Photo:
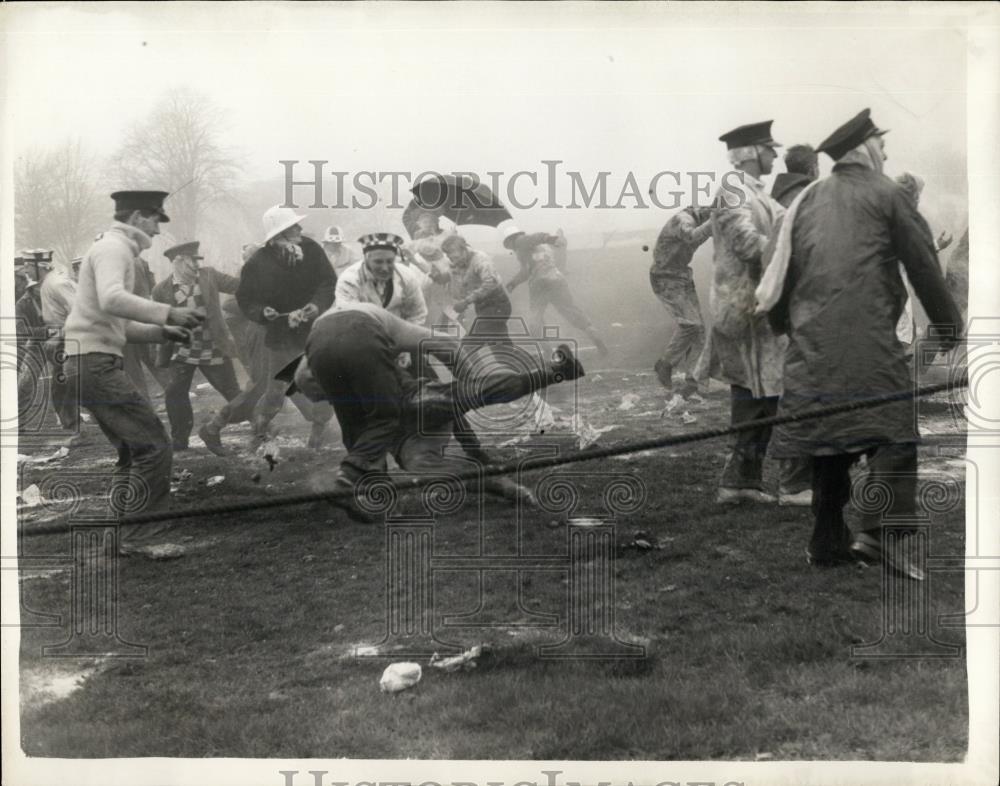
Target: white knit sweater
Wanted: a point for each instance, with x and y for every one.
(105, 313)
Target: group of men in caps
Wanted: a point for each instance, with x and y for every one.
(806, 296)
(347, 356)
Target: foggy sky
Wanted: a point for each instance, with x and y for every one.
(639, 88)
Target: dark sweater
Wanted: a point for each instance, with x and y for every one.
(266, 281)
(787, 186)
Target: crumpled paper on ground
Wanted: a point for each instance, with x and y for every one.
(400, 676)
(59, 454)
(463, 662)
(31, 497)
(629, 400)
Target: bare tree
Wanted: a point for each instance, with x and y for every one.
(58, 199)
(178, 149)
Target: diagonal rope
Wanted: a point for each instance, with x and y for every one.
(527, 465)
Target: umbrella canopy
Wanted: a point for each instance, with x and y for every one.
(460, 199)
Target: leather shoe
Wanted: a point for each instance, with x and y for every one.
(872, 549)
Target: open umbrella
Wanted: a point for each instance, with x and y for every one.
(461, 199)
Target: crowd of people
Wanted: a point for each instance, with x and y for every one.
(809, 305)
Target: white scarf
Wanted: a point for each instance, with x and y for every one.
(772, 283)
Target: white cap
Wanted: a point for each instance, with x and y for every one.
(508, 229)
(277, 219)
(333, 235)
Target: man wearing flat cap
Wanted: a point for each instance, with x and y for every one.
(836, 289)
(285, 284)
(210, 349)
(105, 315)
(350, 361)
(746, 353)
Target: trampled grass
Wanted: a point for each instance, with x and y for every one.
(748, 650)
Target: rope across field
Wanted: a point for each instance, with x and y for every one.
(530, 464)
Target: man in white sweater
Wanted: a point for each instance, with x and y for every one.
(106, 315)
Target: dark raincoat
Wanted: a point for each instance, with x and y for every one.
(842, 298)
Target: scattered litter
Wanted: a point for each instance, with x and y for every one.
(85, 417)
(514, 441)
(764, 757)
(31, 496)
(596, 378)
(631, 456)
(617, 325)
(366, 652)
(338, 628)
(544, 418)
(270, 451)
(463, 662)
(629, 401)
(400, 676)
(687, 419)
(59, 454)
(165, 551)
(215, 480)
(646, 414)
(643, 541)
(587, 435)
(178, 479)
(695, 398)
(255, 477)
(202, 386)
(675, 401)
(668, 588)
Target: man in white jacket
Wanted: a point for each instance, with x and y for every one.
(106, 315)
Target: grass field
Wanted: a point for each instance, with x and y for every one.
(748, 650)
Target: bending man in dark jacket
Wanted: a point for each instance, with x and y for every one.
(840, 301)
(284, 286)
(351, 362)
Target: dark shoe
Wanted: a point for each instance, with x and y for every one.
(871, 549)
(565, 366)
(664, 373)
(211, 436)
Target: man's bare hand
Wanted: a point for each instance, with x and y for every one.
(185, 317)
(178, 334)
(269, 313)
(944, 240)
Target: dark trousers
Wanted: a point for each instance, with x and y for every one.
(891, 479)
(178, 395)
(140, 356)
(142, 475)
(745, 466)
(379, 406)
(355, 364)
